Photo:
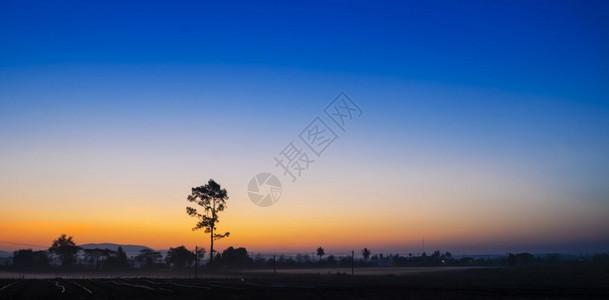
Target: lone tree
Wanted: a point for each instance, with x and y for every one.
(365, 254)
(212, 197)
(65, 248)
(320, 252)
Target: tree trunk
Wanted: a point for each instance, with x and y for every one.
(211, 251)
(213, 223)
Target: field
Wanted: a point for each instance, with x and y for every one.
(508, 283)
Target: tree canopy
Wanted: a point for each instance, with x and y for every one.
(148, 257)
(320, 252)
(180, 257)
(65, 249)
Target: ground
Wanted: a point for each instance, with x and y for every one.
(575, 282)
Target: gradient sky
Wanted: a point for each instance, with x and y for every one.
(485, 125)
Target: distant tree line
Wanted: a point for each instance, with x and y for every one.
(65, 254)
(435, 259)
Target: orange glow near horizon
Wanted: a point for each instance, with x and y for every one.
(268, 231)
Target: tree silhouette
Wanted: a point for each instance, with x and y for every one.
(365, 254)
(65, 248)
(121, 258)
(331, 260)
(180, 257)
(26, 258)
(200, 253)
(148, 257)
(212, 197)
(93, 255)
(236, 257)
(320, 252)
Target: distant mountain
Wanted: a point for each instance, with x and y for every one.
(131, 250)
(5, 254)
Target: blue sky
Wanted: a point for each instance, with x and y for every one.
(117, 92)
(549, 47)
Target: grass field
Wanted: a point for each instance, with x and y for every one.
(578, 282)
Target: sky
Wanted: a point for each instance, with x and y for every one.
(484, 126)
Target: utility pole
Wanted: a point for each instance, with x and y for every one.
(423, 245)
(196, 260)
(352, 262)
(274, 265)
